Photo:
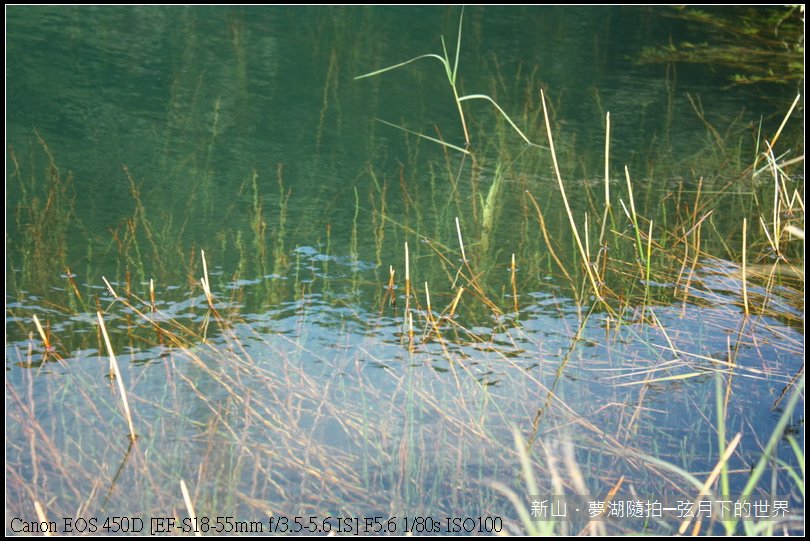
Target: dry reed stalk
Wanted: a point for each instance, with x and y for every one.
(632, 216)
(410, 332)
(434, 324)
(513, 280)
(455, 301)
(408, 316)
(607, 179)
(42, 518)
(648, 267)
(587, 241)
(407, 275)
(460, 241)
(546, 237)
(389, 293)
(781, 127)
(744, 257)
(428, 311)
(110, 288)
(114, 371)
(205, 282)
(72, 283)
(704, 490)
(42, 334)
(588, 268)
(189, 507)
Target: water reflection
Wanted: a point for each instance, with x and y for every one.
(306, 389)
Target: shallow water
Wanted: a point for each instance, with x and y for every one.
(240, 131)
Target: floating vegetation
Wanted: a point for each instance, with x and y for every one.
(761, 44)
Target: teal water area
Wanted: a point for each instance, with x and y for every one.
(139, 136)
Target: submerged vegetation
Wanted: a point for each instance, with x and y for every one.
(761, 44)
(476, 325)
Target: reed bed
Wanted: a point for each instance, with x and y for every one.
(588, 341)
(286, 418)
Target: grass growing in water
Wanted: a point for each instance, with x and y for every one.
(312, 402)
(452, 77)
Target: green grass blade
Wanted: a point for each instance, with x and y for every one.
(799, 455)
(395, 66)
(458, 46)
(423, 136)
(498, 107)
(450, 75)
(798, 479)
(770, 447)
(776, 437)
(667, 378)
(691, 479)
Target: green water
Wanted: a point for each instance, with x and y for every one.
(137, 137)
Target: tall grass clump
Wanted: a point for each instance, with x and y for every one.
(43, 221)
(469, 337)
(451, 71)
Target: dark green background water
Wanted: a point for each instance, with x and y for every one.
(197, 102)
(194, 100)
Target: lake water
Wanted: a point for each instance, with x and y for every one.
(137, 137)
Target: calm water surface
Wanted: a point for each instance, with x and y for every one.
(138, 136)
